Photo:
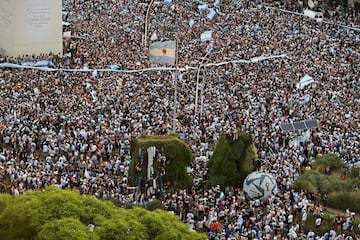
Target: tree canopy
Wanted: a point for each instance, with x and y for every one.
(232, 160)
(63, 214)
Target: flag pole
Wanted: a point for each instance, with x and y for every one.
(175, 76)
(147, 22)
(197, 82)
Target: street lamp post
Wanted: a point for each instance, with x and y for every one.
(176, 72)
(197, 81)
(147, 22)
(176, 76)
(202, 99)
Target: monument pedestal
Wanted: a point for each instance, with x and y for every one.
(30, 27)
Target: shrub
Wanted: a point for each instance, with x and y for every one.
(344, 193)
(344, 200)
(232, 161)
(306, 185)
(331, 160)
(355, 173)
(178, 158)
(153, 205)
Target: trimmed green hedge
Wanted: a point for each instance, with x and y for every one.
(178, 158)
(232, 161)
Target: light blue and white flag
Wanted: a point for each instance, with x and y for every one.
(211, 14)
(191, 22)
(206, 36)
(163, 52)
(304, 81)
(202, 7)
(114, 67)
(95, 73)
(153, 37)
(86, 174)
(85, 67)
(306, 99)
(42, 63)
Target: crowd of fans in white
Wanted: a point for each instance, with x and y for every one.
(73, 129)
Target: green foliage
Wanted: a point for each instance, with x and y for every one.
(342, 193)
(343, 200)
(355, 173)
(20, 219)
(331, 160)
(159, 229)
(155, 204)
(316, 182)
(123, 225)
(93, 208)
(178, 156)
(232, 160)
(64, 229)
(64, 214)
(5, 200)
(304, 184)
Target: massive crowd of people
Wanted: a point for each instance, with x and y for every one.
(73, 129)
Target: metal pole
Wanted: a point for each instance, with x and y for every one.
(202, 100)
(197, 81)
(176, 73)
(147, 22)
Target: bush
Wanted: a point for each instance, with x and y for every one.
(306, 185)
(344, 200)
(178, 158)
(355, 173)
(232, 161)
(342, 193)
(64, 229)
(331, 160)
(155, 204)
(322, 183)
(64, 214)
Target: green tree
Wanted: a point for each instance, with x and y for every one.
(66, 229)
(232, 160)
(120, 226)
(63, 214)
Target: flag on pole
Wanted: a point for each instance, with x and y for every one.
(163, 52)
